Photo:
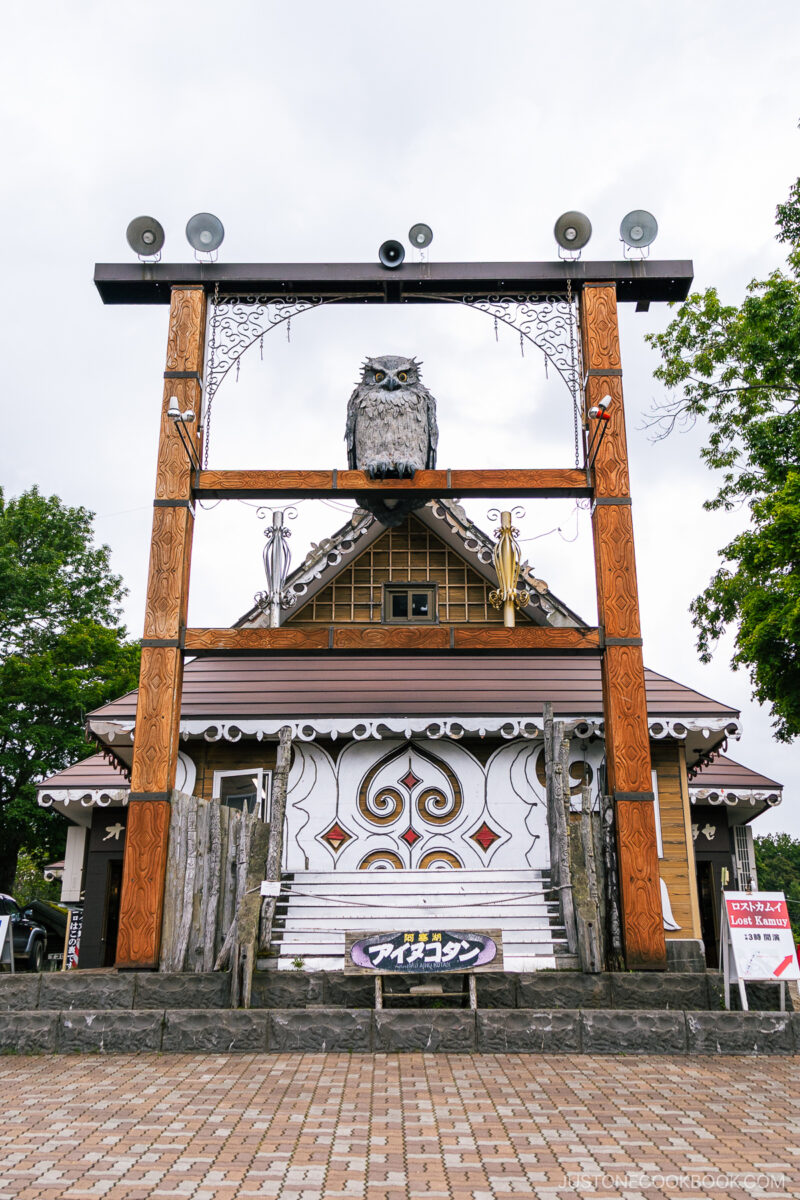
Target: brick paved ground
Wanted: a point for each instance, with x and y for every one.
(396, 1126)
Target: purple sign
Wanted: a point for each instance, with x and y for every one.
(434, 950)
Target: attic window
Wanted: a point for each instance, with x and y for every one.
(409, 604)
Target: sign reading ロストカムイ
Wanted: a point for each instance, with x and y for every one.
(430, 950)
(760, 936)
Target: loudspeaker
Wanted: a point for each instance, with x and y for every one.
(204, 232)
(572, 230)
(145, 236)
(391, 254)
(420, 235)
(638, 228)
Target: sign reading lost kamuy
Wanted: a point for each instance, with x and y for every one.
(425, 951)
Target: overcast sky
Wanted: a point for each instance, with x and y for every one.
(317, 130)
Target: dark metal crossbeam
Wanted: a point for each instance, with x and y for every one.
(637, 281)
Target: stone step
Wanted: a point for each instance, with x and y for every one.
(358, 1030)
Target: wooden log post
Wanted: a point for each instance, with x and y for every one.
(624, 703)
(155, 747)
(556, 766)
(280, 790)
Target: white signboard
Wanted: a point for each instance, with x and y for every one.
(757, 940)
(6, 944)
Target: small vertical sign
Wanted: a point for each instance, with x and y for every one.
(6, 945)
(72, 941)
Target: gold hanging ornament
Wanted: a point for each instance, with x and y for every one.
(507, 559)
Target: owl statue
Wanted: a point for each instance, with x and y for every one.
(391, 430)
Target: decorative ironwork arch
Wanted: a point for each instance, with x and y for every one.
(548, 321)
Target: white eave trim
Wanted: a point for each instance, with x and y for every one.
(83, 797)
(364, 728)
(731, 797)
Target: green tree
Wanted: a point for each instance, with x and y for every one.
(30, 883)
(778, 868)
(737, 368)
(62, 652)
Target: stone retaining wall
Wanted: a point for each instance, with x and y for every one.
(93, 990)
(557, 1031)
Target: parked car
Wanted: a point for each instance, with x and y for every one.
(38, 931)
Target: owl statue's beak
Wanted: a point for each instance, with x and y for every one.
(391, 383)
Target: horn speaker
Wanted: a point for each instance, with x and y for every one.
(391, 254)
(145, 236)
(572, 230)
(204, 232)
(420, 235)
(638, 228)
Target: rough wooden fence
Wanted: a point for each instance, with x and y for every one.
(212, 848)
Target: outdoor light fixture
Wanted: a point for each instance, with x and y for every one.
(145, 236)
(420, 236)
(180, 419)
(572, 231)
(598, 412)
(638, 229)
(204, 233)
(391, 254)
(174, 412)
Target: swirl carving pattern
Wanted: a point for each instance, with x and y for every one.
(437, 808)
(383, 807)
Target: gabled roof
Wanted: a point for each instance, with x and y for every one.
(449, 522)
(728, 783)
(377, 694)
(92, 774)
(92, 782)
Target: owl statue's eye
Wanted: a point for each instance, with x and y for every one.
(402, 376)
(379, 375)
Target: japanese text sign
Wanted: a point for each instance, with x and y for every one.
(760, 936)
(430, 950)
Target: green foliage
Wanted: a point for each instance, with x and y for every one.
(62, 653)
(778, 867)
(737, 368)
(30, 883)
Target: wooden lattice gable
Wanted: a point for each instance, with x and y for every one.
(438, 543)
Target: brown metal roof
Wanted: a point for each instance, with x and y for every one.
(407, 685)
(731, 776)
(93, 772)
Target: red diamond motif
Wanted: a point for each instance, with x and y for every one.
(410, 780)
(485, 837)
(410, 836)
(336, 837)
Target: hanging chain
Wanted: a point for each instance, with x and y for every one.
(574, 388)
(212, 351)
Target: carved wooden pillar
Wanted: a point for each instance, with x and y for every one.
(155, 747)
(629, 777)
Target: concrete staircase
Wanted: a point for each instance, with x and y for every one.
(316, 910)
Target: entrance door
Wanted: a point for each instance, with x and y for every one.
(709, 921)
(111, 911)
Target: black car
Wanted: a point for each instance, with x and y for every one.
(38, 931)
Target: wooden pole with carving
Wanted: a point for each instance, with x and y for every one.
(628, 768)
(155, 747)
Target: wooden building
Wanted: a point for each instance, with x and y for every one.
(417, 759)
